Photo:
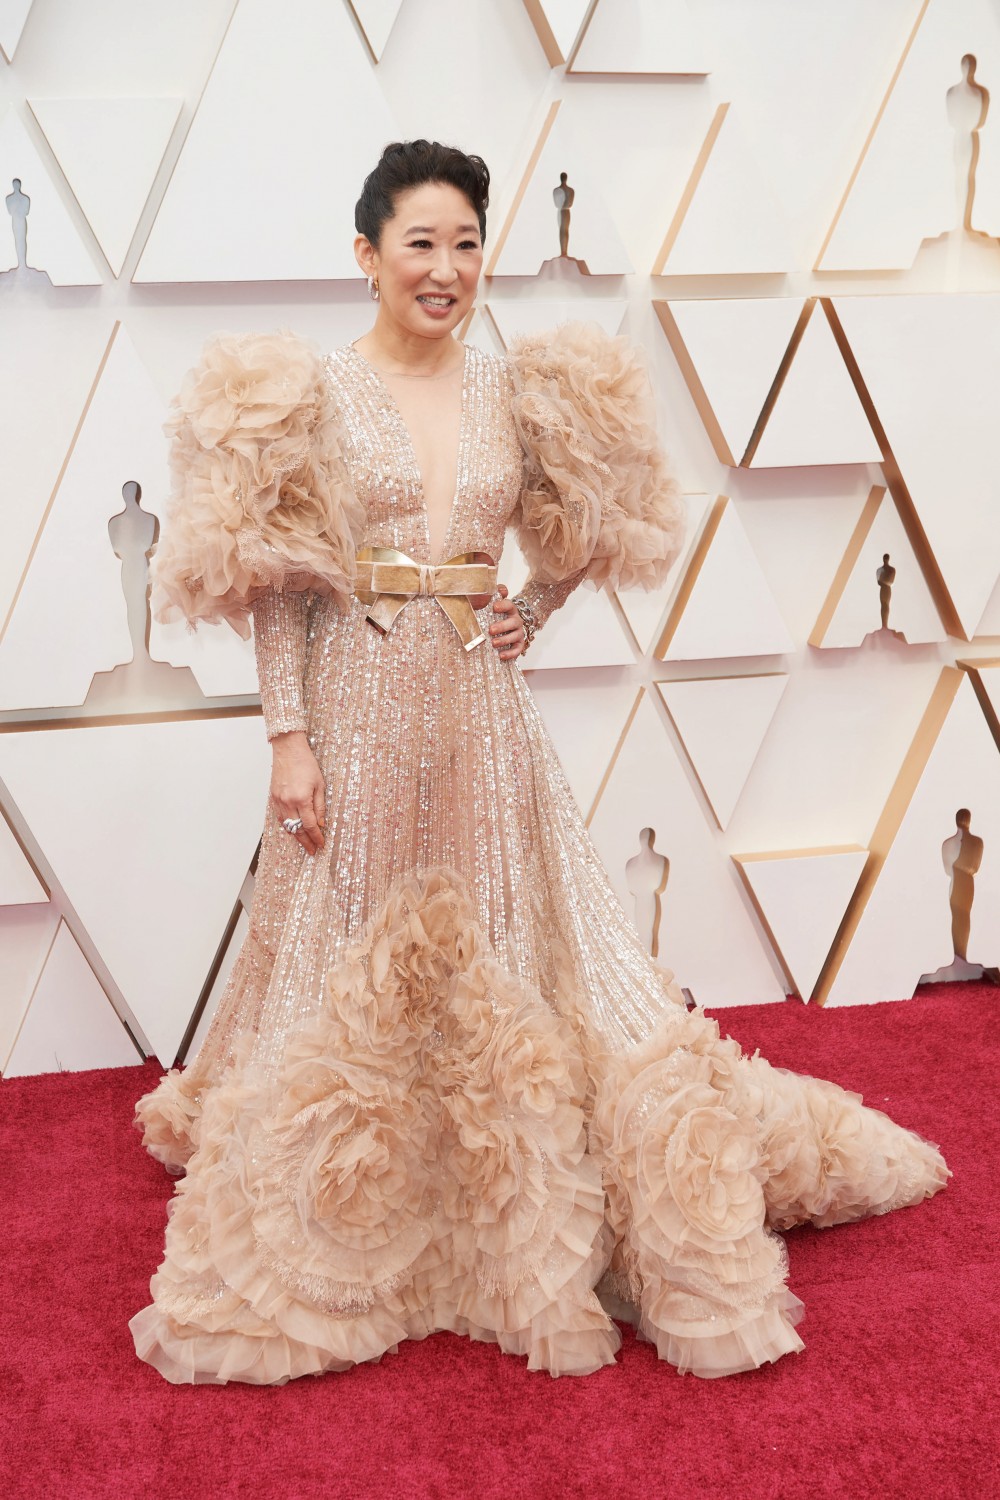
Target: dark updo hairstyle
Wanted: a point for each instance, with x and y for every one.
(409, 164)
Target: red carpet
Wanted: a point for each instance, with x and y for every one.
(895, 1394)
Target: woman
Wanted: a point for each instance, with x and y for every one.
(446, 1087)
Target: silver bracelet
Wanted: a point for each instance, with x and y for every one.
(527, 619)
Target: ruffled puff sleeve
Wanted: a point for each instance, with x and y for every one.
(261, 496)
(598, 494)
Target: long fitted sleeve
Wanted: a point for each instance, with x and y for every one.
(544, 598)
(280, 621)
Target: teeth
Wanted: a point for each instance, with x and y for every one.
(437, 301)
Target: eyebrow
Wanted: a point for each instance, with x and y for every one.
(425, 229)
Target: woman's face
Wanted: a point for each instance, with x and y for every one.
(428, 260)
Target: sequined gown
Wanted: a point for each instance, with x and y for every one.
(446, 1087)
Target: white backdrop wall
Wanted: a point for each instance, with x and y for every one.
(793, 207)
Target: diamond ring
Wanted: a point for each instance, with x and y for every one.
(291, 825)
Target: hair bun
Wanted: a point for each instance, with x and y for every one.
(409, 164)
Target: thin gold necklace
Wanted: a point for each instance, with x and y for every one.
(414, 374)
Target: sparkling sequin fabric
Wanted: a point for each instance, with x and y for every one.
(446, 1087)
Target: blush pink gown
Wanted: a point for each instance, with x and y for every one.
(446, 1087)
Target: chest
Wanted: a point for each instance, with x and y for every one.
(437, 473)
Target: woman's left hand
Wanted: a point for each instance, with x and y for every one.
(507, 633)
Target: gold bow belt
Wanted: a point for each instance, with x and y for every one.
(386, 580)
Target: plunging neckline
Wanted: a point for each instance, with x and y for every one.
(393, 406)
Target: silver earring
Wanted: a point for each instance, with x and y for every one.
(373, 288)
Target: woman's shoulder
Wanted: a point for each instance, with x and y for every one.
(492, 367)
(261, 494)
(236, 371)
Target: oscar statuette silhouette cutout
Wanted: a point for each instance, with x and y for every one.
(886, 577)
(647, 873)
(967, 104)
(963, 855)
(563, 197)
(140, 684)
(18, 205)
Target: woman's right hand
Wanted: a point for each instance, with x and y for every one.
(297, 789)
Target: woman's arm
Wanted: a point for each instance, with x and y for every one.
(261, 493)
(281, 620)
(544, 598)
(598, 494)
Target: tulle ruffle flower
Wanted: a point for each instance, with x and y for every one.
(711, 1170)
(598, 492)
(359, 1164)
(261, 493)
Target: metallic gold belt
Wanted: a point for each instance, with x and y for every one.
(386, 580)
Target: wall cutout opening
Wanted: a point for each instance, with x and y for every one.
(646, 874)
(968, 104)
(18, 206)
(141, 682)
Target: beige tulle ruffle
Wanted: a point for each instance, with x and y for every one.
(419, 1164)
(261, 495)
(433, 1155)
(598, 493)
(707, 1152)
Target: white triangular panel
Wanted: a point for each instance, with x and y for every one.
(857, 611)
(730, 611)
(53, 244)
(722, 722)
(74, 581)
(73, 589)
(585, 722)
(149, 829)
(26, 936)
(583, 632)
(110, 151)
(19, 885)
(644, 608)
(931, 365)
(70, 1024)
(803, 897)
(531, 234)
(817, 417)
(905, 928)
(642, 36)
(734, 223)
(520, 315)
(908, 185)
(36, 434)
(281, 98)
(376, 19)
(13, 14)
(730, 350)
(706, 935)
